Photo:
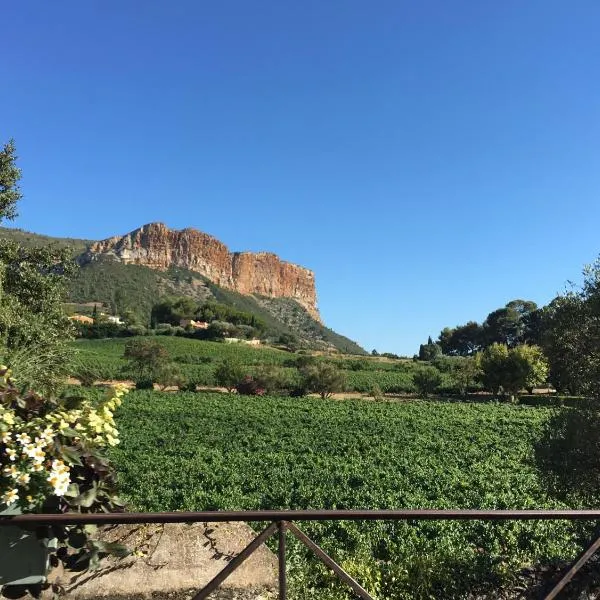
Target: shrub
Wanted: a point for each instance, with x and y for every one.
(144, 384)
(249, 387)
(136, 330)
(427, 380)
(145, 357)
(272, 379)
(168, 375)
(54, 461)
(376, 392)
(87, 372)
(323, 378)
(228, 374)
(189, 385)
(511, 370)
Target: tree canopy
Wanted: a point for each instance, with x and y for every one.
(33, 326)
(10, 175)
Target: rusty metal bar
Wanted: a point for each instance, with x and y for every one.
(218, 579)
(581, 560)
(299, 515)
(282, 561)
(358, 589)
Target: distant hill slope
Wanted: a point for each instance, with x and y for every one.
(26, 238)
(133, 287)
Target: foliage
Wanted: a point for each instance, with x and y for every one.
(429, 351)
(465, 374)
(568, 454)
(376, 392)
(173, 310)
(512, 369)
(168, 375)
(493, 362)
(199, 358)
(427, 380)
(53, 459)
(146, 357)
(509, 325)
(10, 175)
(33, 326)
(228, 374)
(530, 367)
(278, 453)
(249, 386)
(571, 336)
(134, 289)
(463, 340)
(274, 380)
(518, 322)
(218, 330)
(87, 371)
(323, 378)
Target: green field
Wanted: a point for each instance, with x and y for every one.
(229, 452)
(198, 360)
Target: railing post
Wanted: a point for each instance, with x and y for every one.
(282, 561)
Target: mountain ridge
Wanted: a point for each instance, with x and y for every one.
(135, 288)
(156, 246)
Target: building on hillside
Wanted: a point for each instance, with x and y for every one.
(194, 324)
(82, 319)
(232, 340)
(115, 320)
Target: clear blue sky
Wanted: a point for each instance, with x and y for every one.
(428, 160)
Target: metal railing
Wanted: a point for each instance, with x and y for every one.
(282, 521)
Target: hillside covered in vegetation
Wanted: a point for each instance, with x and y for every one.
(127, 289)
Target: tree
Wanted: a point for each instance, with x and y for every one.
(427, 380)
(463, 340)
(571, 336)
(323, 378)
(10, 175)
(228, 374)
(173, 310)
(568, 342)
(465, 374)
(509, 325)
(492, 362)
(429, 351)
(168, 375)
(530, 367)
(146, 357)
(34, 328)
(569, 453)
(512, 369)
(218, 330)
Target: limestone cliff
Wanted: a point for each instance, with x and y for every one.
(158, 247)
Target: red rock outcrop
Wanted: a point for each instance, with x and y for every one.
(158, 247)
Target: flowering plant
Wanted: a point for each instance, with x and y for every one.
(52, 459)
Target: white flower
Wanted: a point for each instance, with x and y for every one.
(59, 477)
(23, 478)
(11, 471)
(12, 454)
(34, 452)
(23, 439)
(10, 497)
(5, 437)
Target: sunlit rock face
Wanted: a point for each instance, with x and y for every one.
(158, 247)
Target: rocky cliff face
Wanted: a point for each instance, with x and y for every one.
(158, 247)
